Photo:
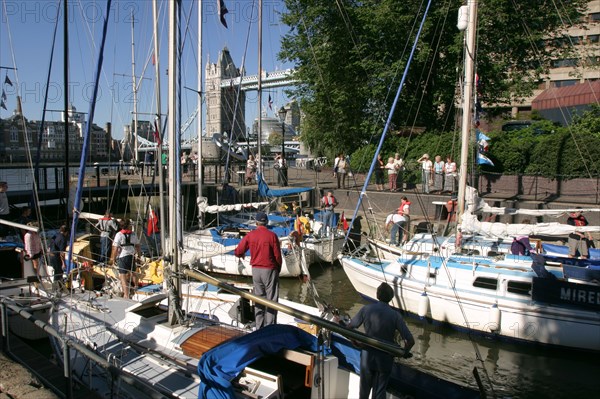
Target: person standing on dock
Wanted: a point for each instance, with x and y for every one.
(266, 261)
(125, 246)
(380, 321)
(426, 168)
(107, 227)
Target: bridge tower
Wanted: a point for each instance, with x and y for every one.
(221, 102)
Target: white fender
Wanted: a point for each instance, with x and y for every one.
(494, 318)
(423, 305)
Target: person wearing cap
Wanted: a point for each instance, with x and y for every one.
(380, 321)
(578, 241)
(426, 169)
(266, 260)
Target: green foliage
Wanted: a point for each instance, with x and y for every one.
(550, 151)
(350, 55)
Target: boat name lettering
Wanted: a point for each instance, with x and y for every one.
(579, 295)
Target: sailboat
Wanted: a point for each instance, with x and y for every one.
(123, 348)
(515, 297)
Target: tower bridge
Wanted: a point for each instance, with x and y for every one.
(269, 80)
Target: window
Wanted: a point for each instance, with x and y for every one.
(595, 16)
(563, 83)
(593, 38)
(14, 135)
(567, 62)
(593, 60)
(486, 283)
(519, 287)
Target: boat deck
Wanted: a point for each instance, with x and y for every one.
(206, 339)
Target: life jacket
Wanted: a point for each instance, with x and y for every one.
(329, 203)
(401, 209)
(579, 220)
(127, 234)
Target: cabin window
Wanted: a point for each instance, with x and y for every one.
(519, 287)
(486, 283)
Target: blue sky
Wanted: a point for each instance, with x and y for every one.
(26, 33)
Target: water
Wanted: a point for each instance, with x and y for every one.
(515, 370)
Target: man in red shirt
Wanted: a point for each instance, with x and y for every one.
(265, 259)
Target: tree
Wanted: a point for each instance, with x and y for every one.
(350, 55)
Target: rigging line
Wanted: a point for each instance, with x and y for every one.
(93, 48)
(391, 114)
(347, 23)
(23, 122)
(381, 110)
(580, 151)
(239, 90)
(439, 34)
(86, 140)
(314, 54)
(41, 131)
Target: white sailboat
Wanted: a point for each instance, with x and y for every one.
(508, 296)
(142, 350)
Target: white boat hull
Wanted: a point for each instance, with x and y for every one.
(498, 312)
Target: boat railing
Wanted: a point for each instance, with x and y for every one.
(67, 345)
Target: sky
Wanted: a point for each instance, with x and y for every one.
(26, 35)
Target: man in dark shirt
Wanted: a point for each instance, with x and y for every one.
(380, 321)
(265, 259)
(57, 251)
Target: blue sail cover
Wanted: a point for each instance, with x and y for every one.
(220, 365)
(265, 191)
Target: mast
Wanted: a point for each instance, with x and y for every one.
(259, 89)
(174, 202)
(200, 95)
(467, 105)
(66, 79)
(135, 117)
(158, 127)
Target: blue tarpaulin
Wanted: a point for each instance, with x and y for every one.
(265, 191)
(220, 365)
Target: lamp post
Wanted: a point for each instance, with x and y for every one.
(283, 170)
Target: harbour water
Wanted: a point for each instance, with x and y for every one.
(514, 370)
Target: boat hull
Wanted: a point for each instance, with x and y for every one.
(520, 318)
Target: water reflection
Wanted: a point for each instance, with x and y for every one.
(513, 370)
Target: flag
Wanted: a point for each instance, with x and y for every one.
(3, 95)
(482, 141)
(3, 105)
(222, 11)
(270, 103)
(483, 160)
(7, 81)
(344, 222)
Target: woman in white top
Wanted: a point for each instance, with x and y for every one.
(426, 168)
(391, 169)
(438, 174)
(450, 171)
